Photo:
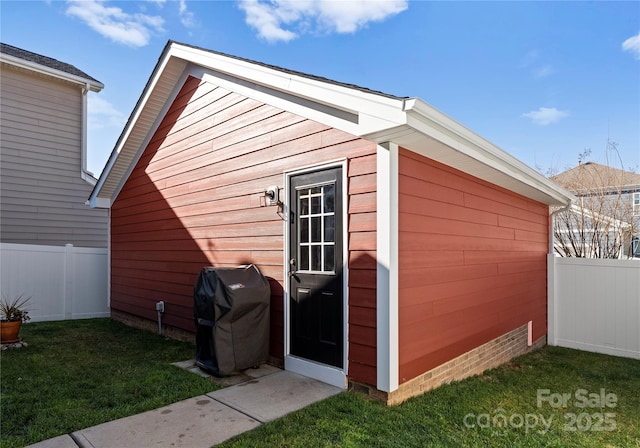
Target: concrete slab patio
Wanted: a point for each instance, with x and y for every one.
(205, 420)
(273, 396)
(197, 422)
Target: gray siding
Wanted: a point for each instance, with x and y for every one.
(42, 194)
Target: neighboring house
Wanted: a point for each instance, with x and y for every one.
(53, 245)
(402, 249)
(44, 183)
(606, 214)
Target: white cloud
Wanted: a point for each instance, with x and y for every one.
(112, 22)
(533, 62)
(546, 115)
(267, 19)
(186, 17)
(632, 45)
(543, 72)
(102, 114)
(284, 20)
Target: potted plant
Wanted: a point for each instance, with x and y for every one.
(13, 312)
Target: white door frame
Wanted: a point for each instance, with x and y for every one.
(322, 372)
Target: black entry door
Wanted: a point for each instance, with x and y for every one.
(315, 267)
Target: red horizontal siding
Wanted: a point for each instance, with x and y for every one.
(362, 268)
(472, 263)
(195, 199)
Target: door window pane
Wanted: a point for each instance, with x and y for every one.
(316, 230)
(315, 204)
(304, 230)
(329, 229)
(304, 206)
(329, 258)
(329, 198)
(304, 258)
(316, 260)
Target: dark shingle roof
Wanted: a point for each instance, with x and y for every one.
(45, 61)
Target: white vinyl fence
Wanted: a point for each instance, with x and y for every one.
(63, 282)
(594, 305)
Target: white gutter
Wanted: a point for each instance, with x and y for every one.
(86, 175)
(467, 142)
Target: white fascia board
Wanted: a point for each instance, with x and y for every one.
(374, 111)
(38, 68)
(437, 125)
(155, 77)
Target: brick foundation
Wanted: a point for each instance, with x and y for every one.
(474, 362)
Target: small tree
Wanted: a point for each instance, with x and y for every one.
(601, 224)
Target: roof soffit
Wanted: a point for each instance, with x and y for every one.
(143, 121)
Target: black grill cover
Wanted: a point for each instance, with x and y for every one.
(231, 312)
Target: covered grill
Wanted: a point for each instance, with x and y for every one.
(231, 312)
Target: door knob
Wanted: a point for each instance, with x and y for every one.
(292, 269)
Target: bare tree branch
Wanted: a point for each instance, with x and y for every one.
(602, 222)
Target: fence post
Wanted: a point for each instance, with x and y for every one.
(68, 281)
(551, 299)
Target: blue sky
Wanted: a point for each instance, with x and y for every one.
(542, 80)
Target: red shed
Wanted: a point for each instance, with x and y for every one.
(403, 250)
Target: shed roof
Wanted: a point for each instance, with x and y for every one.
(369, 114)
(50, 66)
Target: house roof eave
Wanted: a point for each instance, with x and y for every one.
(409, 122)
(433, 134)
(259, 81)
(126, 151)
(94, 86)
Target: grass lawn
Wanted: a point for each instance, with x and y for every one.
(496, 407)
(76, 374)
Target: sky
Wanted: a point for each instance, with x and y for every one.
(544, 80)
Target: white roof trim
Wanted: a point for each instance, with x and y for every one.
(465, 141)
(39, 68)
(408, 122)
(374, 111)
(96, 201)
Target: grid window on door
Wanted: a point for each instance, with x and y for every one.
(317, 231)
